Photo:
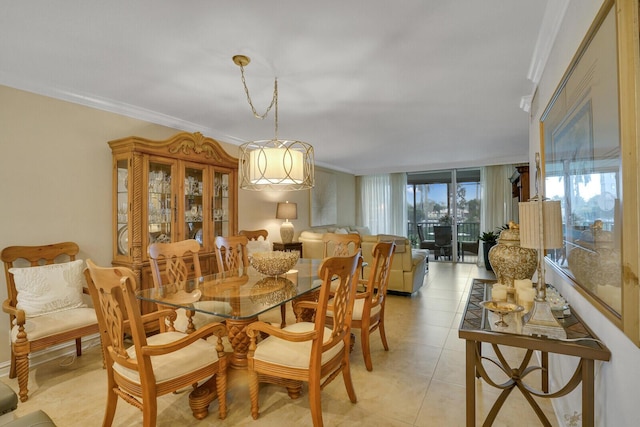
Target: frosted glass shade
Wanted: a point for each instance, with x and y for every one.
(530, 235)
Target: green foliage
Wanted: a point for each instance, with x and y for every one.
(492, 236)
(489, 236)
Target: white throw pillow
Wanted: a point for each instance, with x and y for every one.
(341, 231)
(259, 245)
(49, 288)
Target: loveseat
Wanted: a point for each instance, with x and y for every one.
(409, 265)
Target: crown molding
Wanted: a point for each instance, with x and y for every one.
(553, 15)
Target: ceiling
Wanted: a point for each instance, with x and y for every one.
(375, 86)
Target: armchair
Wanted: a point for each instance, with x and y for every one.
(157, 365)
(45, 303)
(307, 351)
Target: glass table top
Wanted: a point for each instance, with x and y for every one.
(241, 294)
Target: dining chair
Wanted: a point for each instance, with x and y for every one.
(254, 234)
(45, 303)
(231, 252)
(156, 365)
(333, 244)
(309, 351)
(368, 310)
(177, 262)
(340, 244)
(258, 241)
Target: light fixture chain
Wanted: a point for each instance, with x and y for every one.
(274, 100)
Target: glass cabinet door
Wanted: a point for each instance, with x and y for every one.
(122, 206)
(221, 204)
(161, 203)
(194, 203)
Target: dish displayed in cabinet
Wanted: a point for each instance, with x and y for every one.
(123, 240)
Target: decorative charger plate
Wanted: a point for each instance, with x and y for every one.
(123, 240)
(502, 307)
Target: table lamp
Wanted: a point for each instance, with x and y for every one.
(540, 229)
(287, 211)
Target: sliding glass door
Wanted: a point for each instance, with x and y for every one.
(440, 202)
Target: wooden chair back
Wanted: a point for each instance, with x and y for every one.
(231, 252)
(254, 234)
(175, 257)
(113, 294)
(340, 244)
(33, 256)
(380, 272)
(339, 276)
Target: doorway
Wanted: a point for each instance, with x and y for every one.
(441, 200)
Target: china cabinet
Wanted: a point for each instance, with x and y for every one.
(184, 187)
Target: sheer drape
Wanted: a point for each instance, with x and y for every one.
(497, 203)
(382, 203)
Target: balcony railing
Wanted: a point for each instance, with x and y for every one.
(467, 231)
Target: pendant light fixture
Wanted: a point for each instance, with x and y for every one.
(274, 164)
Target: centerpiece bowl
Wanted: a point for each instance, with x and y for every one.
(274, 263)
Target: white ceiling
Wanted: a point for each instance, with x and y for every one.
(374, 85)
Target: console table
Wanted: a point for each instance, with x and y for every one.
(477, 328)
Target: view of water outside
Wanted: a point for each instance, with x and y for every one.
(592, 197)
(432, 204)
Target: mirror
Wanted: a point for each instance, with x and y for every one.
(583, 167)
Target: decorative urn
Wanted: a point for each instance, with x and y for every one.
(510, 261)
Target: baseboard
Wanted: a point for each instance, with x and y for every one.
(53, 352)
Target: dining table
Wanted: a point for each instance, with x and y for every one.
(238, 297)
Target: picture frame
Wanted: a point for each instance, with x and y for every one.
(587, 129)
(324, 203)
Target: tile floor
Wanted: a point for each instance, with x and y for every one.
(418, 382)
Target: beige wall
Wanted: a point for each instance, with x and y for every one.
(616, 393)
(258, 209)
(55, 175)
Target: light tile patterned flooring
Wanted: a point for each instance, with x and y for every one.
(418, 382)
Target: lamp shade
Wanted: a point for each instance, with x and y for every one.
(551, 224)
(276, 165)
(287, 211)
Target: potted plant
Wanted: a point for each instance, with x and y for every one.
(489, 240)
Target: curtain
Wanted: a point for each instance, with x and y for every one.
(497, 206)
(382, 203)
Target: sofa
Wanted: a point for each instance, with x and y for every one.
(408, 267)
(9, 403)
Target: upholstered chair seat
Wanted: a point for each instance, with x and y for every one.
(294, 354)
(166, 367)
(57, 322)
